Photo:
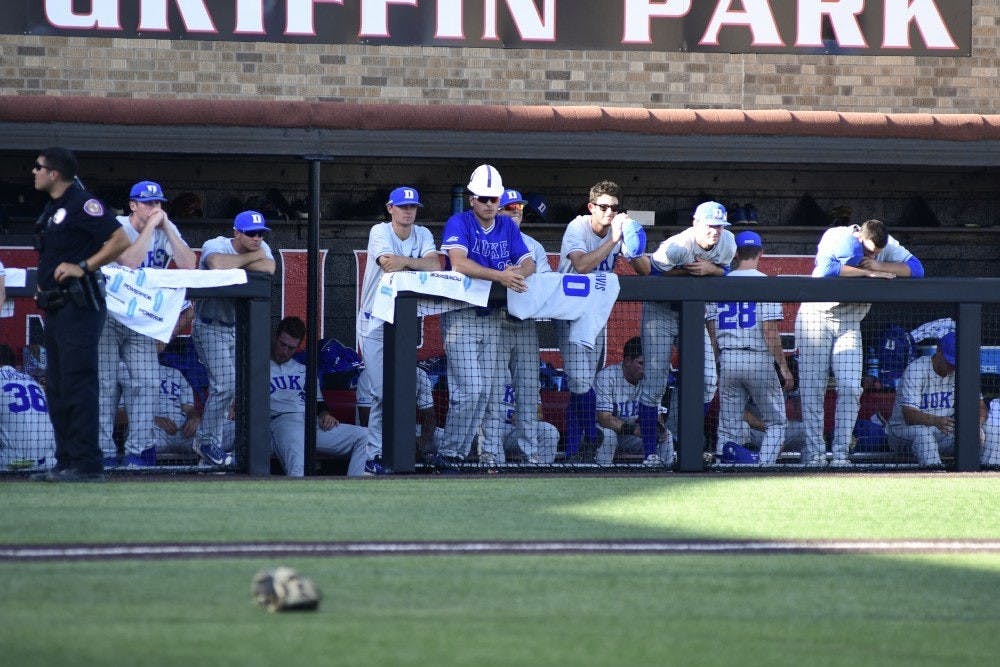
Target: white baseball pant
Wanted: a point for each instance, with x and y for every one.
(139, 387)
(343, 440)
(216, 347)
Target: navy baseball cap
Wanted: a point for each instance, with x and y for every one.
(745, 239)
(146, 191)
(711, 213)
(947, 347)
(404, 196)
(511, 197)
(250, 221)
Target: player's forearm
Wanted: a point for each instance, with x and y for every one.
(773, 340)
(110, 251)
(915, 417)
(135, 254)
(525, 268)
(642, 265)
(431, 262)
(467, 267)
(240, 261)
(608, 420)
(587, 262)
(263, 265)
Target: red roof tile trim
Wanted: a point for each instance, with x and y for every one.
(477, 118)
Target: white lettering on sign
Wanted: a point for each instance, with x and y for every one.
(639, 13)
(756, 15)
(531, 25)
(301, 19)
(103, 15)
(899, 14)
(194, 14)
(843, 15)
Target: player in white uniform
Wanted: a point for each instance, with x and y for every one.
(518, 357)
(154, 241)
(26, 438)
(481, 244)
(704, 249)
(397, 245)
(540, 450)
(828, 335)
(617, 388)
(748, 346)
(288, 410)
(428, 433)
(590, 244)
(923, 417)
(214, 327)
(177, 417)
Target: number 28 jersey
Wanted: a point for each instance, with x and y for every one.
(738, 323)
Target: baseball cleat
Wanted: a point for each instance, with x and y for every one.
(654, 461)
(374, 467)
(211, 454)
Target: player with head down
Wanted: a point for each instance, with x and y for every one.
(592, 244)
(482, 244)
(828, 335)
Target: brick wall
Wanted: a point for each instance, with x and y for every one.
(36, 65)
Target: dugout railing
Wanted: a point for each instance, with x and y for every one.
(253, 336)
(967, 296)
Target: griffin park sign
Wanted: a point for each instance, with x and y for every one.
(854, 27)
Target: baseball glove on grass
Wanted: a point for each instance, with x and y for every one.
(284, 589)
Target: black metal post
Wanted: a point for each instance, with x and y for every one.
(312, 315)
(691, 400)
(399, 381)
(967, 386)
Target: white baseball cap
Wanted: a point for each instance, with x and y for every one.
(711, 213)
(486, 182)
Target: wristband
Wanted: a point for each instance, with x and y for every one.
(83, 265)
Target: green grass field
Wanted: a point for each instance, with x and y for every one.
(593, 609)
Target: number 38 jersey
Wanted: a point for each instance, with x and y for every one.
(26, 439)
(738, 323)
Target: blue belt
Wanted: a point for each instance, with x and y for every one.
(206, 320)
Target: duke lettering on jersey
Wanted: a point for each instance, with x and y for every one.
(491, 250)
(935, 400)
(626, 409)
(286, 383)
(156, 259)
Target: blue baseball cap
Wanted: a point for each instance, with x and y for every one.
(947, 347)
(250, 221)
(404, 196)
(711, 213)
(511, 197)
(146, 191)
(745, 239)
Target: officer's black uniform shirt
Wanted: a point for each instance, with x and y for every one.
(72, 228)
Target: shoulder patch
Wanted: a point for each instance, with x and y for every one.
(94, 208)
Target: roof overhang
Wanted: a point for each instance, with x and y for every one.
(272, 128)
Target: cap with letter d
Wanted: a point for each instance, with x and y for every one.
(946, 346)
(711, 213)
(250, 221)
(511, 197)
(404, 196)
(146, 191)
(486, 182)
(749, 239)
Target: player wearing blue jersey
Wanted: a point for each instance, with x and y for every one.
(154, 242)
(828, 335)
(591, 244)
(482, 244)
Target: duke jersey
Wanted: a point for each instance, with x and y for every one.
(288, 387)
(738, 323)
(682, 248)
(496, 247)
(159, 253)
(538, 254)
(175, 391)
(382, 240)
(26, 436)
(222, 310)
(616, 395)
(925, 390)
(580, 236)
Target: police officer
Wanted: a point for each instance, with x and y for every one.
(76, 235)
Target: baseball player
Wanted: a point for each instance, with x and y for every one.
(154, 241)
(989, 456)
(748, 346)
(828, 335)
(617, 390)
(591, 243)
(508, 439)
(397, 245)
(214, 328)
(518, 357)
(704, 249)
(482, 244)
(427, 431)
(288, 409)
(923, 417)
(26, 438)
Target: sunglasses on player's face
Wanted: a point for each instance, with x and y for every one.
(487, 200)
(254, 235)
(615, 208)
(514, 207)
